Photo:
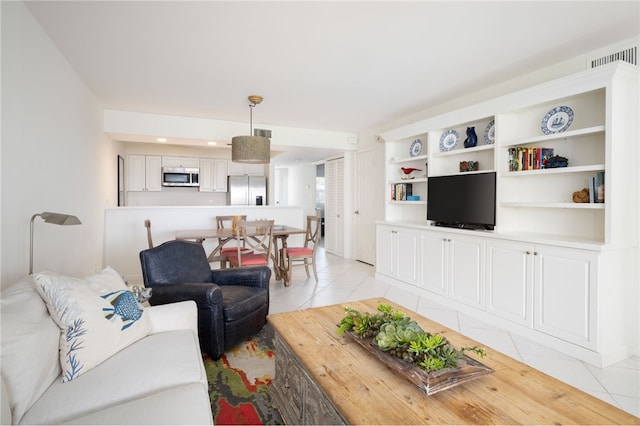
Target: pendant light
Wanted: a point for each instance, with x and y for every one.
(251, 149)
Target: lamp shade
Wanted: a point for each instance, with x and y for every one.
(250, 149)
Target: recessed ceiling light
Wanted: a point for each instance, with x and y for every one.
(212, 143)
(161, 139)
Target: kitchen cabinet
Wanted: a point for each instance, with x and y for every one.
(213, 175)
(239, 169)
(397, 253)
(144, 173)
(180, 162)
(453, 266)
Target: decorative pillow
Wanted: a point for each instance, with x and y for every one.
(98, 316)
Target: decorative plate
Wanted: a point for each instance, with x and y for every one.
(490, 133)
(448, 140)
(557, 120)
(416, 148)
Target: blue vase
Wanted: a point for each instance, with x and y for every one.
(472, 138)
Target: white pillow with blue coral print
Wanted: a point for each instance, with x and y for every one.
(98, 316)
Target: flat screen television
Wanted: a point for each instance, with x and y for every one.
(462, 201)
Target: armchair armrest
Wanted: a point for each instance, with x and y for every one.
(204, 294)
(258, 276)
(173, 316)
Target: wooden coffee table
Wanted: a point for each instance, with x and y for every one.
(325, 378)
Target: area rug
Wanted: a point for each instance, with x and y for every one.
(239, 382)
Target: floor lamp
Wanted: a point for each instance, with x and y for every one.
(48, 217)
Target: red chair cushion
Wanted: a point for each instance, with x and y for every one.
(249, 260)
(299, 251)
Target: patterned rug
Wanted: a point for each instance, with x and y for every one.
(239, 382)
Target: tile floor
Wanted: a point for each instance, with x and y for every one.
(342, 280)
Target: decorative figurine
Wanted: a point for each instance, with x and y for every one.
(407, 172)
(472, 138)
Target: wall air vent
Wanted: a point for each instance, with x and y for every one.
(262, 132)
(629, 54)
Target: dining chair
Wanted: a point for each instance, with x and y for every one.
(305, 255)
(253, 243)
(226, 222)
(147, 224)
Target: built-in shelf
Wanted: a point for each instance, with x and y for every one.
(591, 206)
(556, 170)
(556, 136)
(416, 180)
(407, 159)
(417, 203)
(463, 151)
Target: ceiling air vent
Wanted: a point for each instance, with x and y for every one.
(629, 55)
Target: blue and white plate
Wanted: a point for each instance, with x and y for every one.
(416, 148)
(448, 140)
(557, 120)
(490, 133)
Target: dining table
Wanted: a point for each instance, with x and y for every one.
(223, 235)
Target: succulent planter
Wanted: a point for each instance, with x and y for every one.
(430, 383)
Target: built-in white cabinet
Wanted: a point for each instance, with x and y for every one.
(168, 161)
(561, 272)
(564, 294)
(398, 257)
(144, 173)
(239, 169)
(213, 175)
(510, 280)
(452, 265)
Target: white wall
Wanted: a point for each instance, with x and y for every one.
(301, 188)
(54, 155)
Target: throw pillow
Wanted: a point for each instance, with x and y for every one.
(97, 316)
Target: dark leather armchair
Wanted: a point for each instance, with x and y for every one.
(232, 303)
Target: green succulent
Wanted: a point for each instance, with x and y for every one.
(395, 333)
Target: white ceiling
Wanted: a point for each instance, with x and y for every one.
(330, 65)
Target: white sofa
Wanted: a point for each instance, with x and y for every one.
(159, 379)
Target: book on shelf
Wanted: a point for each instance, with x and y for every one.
(400, 191)
(596, 188)
(528, 158)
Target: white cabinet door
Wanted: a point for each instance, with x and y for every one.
(509, 280)
(564, 293)
(180, 161)
(433, 261)
(239, 169)
(397, 253)
(206, 175)
(220, 175)
(213, 175)
(466, 270)
(385, 253)
(144, 173)
(135, 173)
(153, 173)
(406, 255)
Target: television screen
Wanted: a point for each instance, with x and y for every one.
(462, 201)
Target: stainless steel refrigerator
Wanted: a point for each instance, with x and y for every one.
(247, 190)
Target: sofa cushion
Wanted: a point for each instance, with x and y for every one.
(98, 316)
(29, 342)
(182, 405)
(153, 364)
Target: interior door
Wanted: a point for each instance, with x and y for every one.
(364, 220)
(334, 207)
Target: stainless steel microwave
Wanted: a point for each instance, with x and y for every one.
(180, 176)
